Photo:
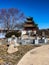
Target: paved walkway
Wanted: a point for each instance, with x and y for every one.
(37, 56)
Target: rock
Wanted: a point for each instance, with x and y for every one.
(12, 49)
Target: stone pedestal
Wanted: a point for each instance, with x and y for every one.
(36, 41)
(45, 40)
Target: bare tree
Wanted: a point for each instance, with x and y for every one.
(11, 18)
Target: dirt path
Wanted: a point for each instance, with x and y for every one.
(37, 56)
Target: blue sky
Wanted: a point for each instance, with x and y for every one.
(38, 9)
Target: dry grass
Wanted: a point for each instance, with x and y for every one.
(15, 57)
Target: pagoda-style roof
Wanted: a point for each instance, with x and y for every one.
(30, 24)
(29, 18)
